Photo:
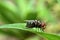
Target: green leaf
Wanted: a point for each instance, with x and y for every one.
(58, 1)
(44, 13)
(22, 8)
(9, 5)
(21, 26)
(10, 11)
(3, 20)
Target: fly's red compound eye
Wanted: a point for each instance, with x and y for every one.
(43, 25)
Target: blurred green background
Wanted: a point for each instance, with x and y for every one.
(17, 11)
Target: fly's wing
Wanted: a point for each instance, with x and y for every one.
(38, 24)
(30, 24)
